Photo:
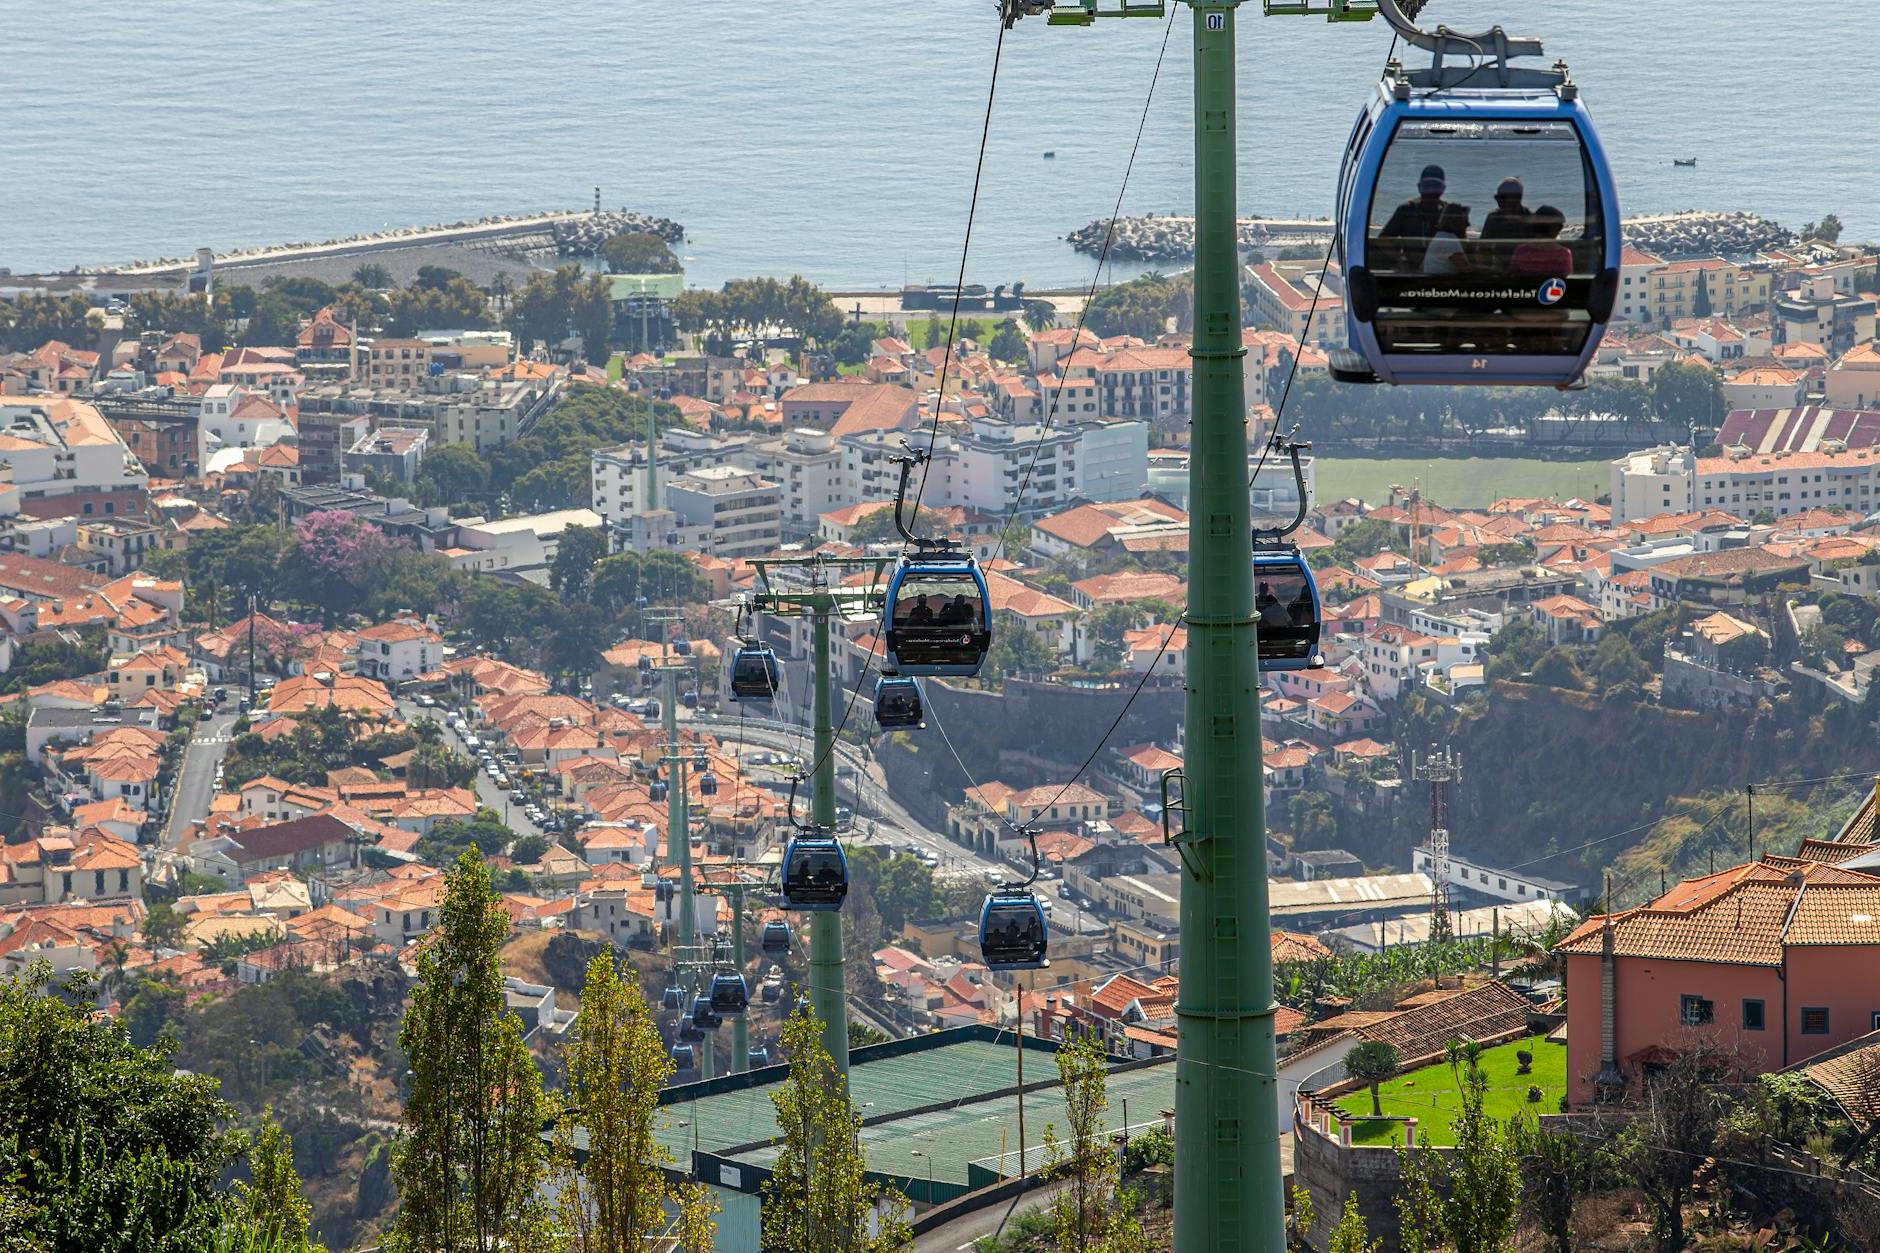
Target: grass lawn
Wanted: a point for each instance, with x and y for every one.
(617, 361)
(1460, 482)
(1429, 1095)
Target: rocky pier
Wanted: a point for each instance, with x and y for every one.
(1673, 236)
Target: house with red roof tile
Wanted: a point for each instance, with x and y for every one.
(1771, 959)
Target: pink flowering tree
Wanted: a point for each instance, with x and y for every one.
(336, 559)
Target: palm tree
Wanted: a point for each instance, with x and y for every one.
(1373, 1062)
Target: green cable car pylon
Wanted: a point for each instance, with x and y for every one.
(1227, 1118)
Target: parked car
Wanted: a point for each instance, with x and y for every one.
(519, 796)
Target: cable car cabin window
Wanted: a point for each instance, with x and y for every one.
(1282, 600)
(937, 617)
(1485, 238)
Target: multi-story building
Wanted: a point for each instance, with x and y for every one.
(1818, 313)
(1653, 481)
(742, 510)
(619, 484)
(401, 650)
(1783, 483)
(402, 363)
(121, 541)
(807, 464)
(393, 450)
(1770, 960)
(1700, 287)
(1283, 296)
(1854, 381)
(66, 460)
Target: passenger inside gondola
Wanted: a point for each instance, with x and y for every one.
(1442, 289)
(937, 620)
(1283, 601)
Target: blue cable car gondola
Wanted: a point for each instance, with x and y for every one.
(682, 1058)
(1012, 930)
(1286, 600)
(898, 703)
(755, 674)
(670, 999)
(759, 1055)
(1478, 222)
(656, 790)
(729, 996)
(682, 647)
(936, 617)
(702, 1016)
(771, 991)
(687, 1031)
(708, 784)
(815, 874)
(776, 938)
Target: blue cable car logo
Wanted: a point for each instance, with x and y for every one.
(1553, 291)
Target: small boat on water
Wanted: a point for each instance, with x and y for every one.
(1050, 156)
(1684, 161)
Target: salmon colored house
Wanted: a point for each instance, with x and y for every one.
(1775, 960)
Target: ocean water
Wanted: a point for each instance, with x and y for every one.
(834, 138)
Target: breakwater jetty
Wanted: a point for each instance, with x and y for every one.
(1673, 236)
(534, 236)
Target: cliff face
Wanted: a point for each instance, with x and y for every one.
(1546, 770)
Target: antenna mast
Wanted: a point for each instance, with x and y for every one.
(1440, 768)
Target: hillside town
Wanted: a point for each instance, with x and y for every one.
(308, 590)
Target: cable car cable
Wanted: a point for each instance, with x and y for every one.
(1331, 244)
(966, 245)
(1083, 312)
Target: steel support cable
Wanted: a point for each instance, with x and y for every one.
(1279, 410)
(1083, 313)
(959, 288)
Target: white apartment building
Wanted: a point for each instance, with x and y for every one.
(807, 464)
(1669, 479)
(984, 467)
(742, 510)
(619, 483)
(1653, 481)
(55, 448)
(524, 545)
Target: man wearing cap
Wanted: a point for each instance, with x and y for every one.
(1509, 220)
(1413, 223)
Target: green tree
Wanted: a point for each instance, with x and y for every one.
(272, 1203)
(1659, 1151)
(575, 554)
(528, 850)
(1351, 1235)
(1686, 394)
(1468, 1200)
(1557, 668)
(469, 1159)
(433, 765)
(452, 474)
(1091, 1213)
(636, 252)
(1373, 1063)
(1828, 230)
(1008, 343)
(1313, 823)
(1615, 661)
(1108, 626)
(105, 1147)
(861, 1035)
(373, 275)
(818, 1198)
(1556, 1170)
(1142, 306)
(612, 1199)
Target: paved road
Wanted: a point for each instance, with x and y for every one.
(195, 783)
(488, 794)
(961, 1234)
